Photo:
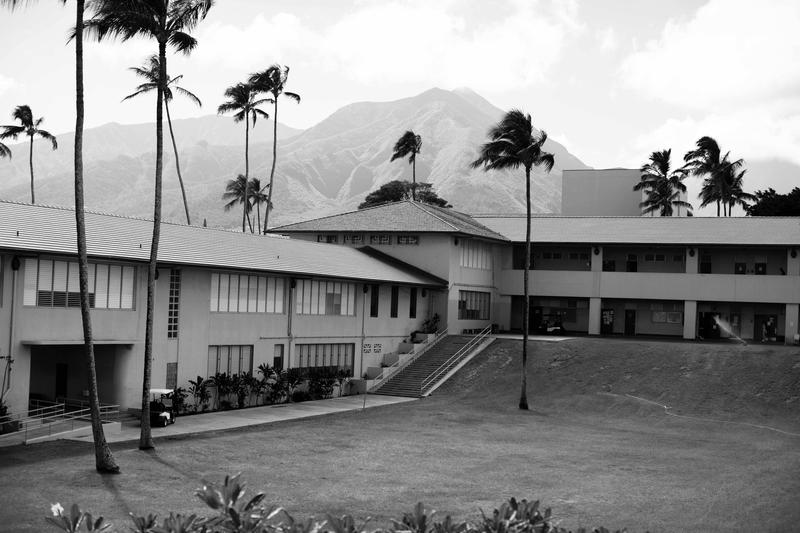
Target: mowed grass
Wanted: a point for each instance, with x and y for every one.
(587, 447)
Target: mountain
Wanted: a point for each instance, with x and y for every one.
(327, 168)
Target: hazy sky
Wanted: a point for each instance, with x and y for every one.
(613, 80)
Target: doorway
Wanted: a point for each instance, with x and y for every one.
(709, 328)
(630, 322)
(62, 372)
(607, 321)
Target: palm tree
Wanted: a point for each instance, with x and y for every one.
(707, 160)
(733, 193)
(243, 103)
(662, 186)
(236, 191)
(167, 22)
(258, 197)
(513, 143)
(104, 460)
(5, 151)
(150, 72)
(273, 81)
(409, 145)
(30, 127)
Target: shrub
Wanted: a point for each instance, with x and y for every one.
(232, 512)
(321, 382)
(300, 396)
(199, 391)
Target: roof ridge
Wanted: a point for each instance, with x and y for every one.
(130, 217)
(419, 206)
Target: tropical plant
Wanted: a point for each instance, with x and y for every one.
(769, 203)
(397, 191)
(292, 378)
(662, 186)
(238, 191)
(514, 143)
(732, 192)
(150, 72)
(707, 161)
(343, 377)
(224, 385)
(168, 23)
(178, 397)
(31, 128)
(5, 151)
(257, 198)
(409, 145)
(199, 390)
(243, 103)
(104, 460)
(273, 81)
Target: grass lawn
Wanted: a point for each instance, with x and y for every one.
(586, 448)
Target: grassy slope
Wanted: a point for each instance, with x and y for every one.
(595, 457)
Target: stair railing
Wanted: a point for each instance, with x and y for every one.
(454, 359)
(397, 366)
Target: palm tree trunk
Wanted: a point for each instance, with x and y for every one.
(177, 163)
(717, 207)
(258, 215)
(523, 395)
(246, 167)
(267, 209)
(414, 180)
(30, 162)
(145, 437)
(103, 459)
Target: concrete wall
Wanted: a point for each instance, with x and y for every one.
(600, 192)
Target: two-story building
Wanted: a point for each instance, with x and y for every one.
(225, 302)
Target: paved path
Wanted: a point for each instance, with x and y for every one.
(253, 416)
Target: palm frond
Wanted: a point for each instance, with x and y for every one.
(11, 131)
(182, 42)
(47, 135)
(5, 151)
(191, 96)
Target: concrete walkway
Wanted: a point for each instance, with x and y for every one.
(237, 418)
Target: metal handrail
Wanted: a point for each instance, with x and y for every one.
(453, 360)
(394, 368)
(28, 425)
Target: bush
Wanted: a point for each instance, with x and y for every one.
(301, 396)
(232, 512)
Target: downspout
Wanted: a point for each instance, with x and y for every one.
(363, 332)
(15, 264)
(289, 315)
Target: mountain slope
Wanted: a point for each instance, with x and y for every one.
(327, 168)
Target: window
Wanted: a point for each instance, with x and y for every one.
(230, 360)
(649, 258)
(761, 269)
(172, 376)
(584, 257)
(51, 283)
(661, 257)
(380, 239)
(394, 302)
(325, 298)
(277, 358)
(354, 239)
(678, 258)
(547, 255)
(609, 265)
(374, 300)
(408, 239)
(556, 255)
(632, 265)
(412, 312)
(476, 254)
(473, 305)
(740, 268)
(331, 239)
(705, 264)
(574, 256)
(174, 304)
(244, 293)
(325, 355)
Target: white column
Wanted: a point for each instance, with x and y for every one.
(689, 318)
(595, 305)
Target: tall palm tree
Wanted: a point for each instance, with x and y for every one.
(239, 191)
(243, 102)
(150, 72)
(30, 127)
(409, 145)
(514, 143)
(273, 81)
(168, 23)
(662, 186)
(5, 151)
(104, 460)
(707, 160)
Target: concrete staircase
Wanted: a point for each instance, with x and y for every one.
(408, 381)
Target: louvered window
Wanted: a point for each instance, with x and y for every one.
(52, 283)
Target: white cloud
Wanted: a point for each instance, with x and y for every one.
(607, 38)
(731, 52)
(6, 83)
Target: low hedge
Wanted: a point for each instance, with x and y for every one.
(231, 512)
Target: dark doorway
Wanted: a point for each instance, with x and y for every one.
(607, 322)
(534, 319)
(766, 328)
(62, 371)
(630, 322)
(709, 328)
